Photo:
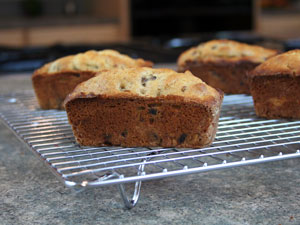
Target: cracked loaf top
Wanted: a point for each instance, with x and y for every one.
(148, 83)
(287, 63)
(91, 61)
(225, 50)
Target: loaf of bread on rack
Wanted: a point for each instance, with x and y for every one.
(144, 107)
(224, 64)
(55, 80)
(275, 86)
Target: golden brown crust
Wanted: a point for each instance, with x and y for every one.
(55, 80)
(144, 107)
(145, 82)
(92, 61)
(224, 64)
(230, 51)
(287, 63)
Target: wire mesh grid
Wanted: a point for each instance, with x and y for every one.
(242, 139)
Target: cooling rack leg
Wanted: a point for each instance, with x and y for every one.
(130, 203)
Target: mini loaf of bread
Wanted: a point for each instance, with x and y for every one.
(275, 86)
(55, 80)
(144, 107)
(224, 64)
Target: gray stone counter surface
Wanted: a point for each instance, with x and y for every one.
(30, 194)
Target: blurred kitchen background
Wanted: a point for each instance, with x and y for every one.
(33, 32)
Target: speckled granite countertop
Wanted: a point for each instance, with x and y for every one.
(30, 194)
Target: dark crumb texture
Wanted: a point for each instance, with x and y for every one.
(276, 96)
(51, 90)
(230, 77)
(133, 122)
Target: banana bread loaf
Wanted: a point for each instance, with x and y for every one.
(224, 64)
(144, 107)
(55, 80)
(275, 86)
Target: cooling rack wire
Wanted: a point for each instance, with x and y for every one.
(242, 139)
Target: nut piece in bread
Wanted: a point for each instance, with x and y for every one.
(275, 86)
(144, 107)
(224, 64)
(55, 80)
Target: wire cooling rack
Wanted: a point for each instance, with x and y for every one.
(242, 139)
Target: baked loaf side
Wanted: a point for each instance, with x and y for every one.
(55, 80)
(224, 64)
(144, 107)
(275, 86)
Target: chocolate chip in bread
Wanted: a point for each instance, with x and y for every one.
(144, 107)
